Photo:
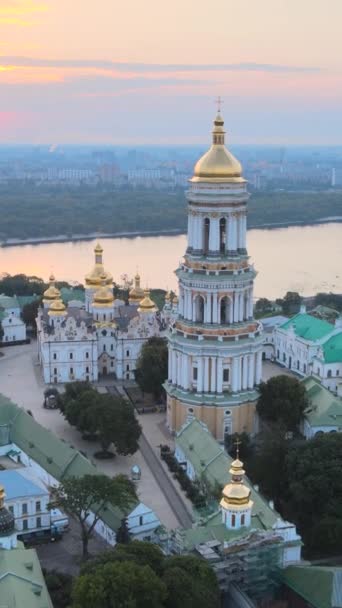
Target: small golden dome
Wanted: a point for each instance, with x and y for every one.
(167, 296)
(218, 164)
(136, 294)
(175, 299)
(147, 305)
(104, 295)
(236, 493)
(57, 308)
(93, 279)
(51, 293)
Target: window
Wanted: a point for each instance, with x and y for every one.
(104, 317)
(104, 348)
(87, 355)
(38, 522)
(24, 508)
(112, 347)
(304, 368)
(70, 356)
(71, 370)
(25, 526)
(11, 509)
(233, 520)
(277, 354)
(140, 520)
(226, 375)
(55, 356)
(87, 370)
(297, 364)
(112, 363)
(329, 373)
(38, 506)
(242, 519)
(337, 372)
(127, 353)
(127, 376)
(195, 373)
(55, 371)
(127, 367)
(87, 378)
(284, 357)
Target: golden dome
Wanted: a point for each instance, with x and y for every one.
(175, 299)
(147, 305)
(218, 164)
(236, 493)
(136, 294)
(93, 279)
(51, 293)
(104, 295)
(57, 308)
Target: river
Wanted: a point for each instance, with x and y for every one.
(306, 259)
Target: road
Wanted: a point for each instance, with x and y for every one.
(174, 499)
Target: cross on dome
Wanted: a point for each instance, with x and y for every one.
(219, 101)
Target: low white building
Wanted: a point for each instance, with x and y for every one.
(13, 328)
(310, 346)
(269, 324)
(324, 413)
(27, 499)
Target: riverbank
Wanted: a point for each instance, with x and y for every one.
(63, 238)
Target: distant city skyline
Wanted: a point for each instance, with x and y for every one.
(148, 73)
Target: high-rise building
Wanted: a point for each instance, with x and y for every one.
(215, 346)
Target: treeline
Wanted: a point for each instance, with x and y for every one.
(44, 211)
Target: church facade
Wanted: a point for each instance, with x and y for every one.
(104, 335)
(215, 344)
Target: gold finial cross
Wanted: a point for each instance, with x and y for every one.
(219, 102)
(237, 443)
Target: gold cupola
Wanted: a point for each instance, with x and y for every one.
(218, 164)
(136, 294)
(93, 279)
(57, 308)
(103, 297)
(52, 292)
(236, 495)
(146, 304)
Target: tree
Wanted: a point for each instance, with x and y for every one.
(151, 371)
(263, 305)
(83, 496)
(267, 467)
(59, 586)
(190, 581)
(116, 423)
(244, 442)
(123, 536)
(282, 399)
(291, 302)
(121, 585)
(30, 312)
(73, 391)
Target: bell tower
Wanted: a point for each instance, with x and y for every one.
(215, 346)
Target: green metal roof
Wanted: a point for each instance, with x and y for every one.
(210, 460)
(325, 408)
(308, 327)
(21, 580)
(72, 294)
(8, 302)
(332, 349)
(57, 457)
(320, 586)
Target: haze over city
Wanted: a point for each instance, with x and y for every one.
(146, 73)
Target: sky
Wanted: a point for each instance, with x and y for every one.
(148, 71)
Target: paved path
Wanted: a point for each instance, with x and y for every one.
(165, 484)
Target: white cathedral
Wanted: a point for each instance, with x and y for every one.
(104, 335)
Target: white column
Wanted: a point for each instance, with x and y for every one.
(213, 234)
(230, 237)
(206, 375)
(258, 371)
(219, 375)
(208, 308)
(188, 305)
(186, 372)
(241, 307)
(215, 308)
(213, 375)
(231, 310)
(179, 369)
(239, 374)
(244, 231)
(244, 372)
(190, 230)
(236, 307)
(200, 377)
(174, 367)
(193, 306)
(233, 244)
(199, 232)
(251, 371)
(235, 374)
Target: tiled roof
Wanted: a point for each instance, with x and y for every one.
(308, 327)
(325, 408)
(21, 580)
(17, 486)
(320, 586)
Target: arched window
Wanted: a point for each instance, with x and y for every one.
(224, 310)
(199, 309)
(206, 235)
(329, 373)
(233, 520)
(222, 235)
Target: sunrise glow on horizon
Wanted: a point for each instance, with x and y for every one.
(147, 72)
